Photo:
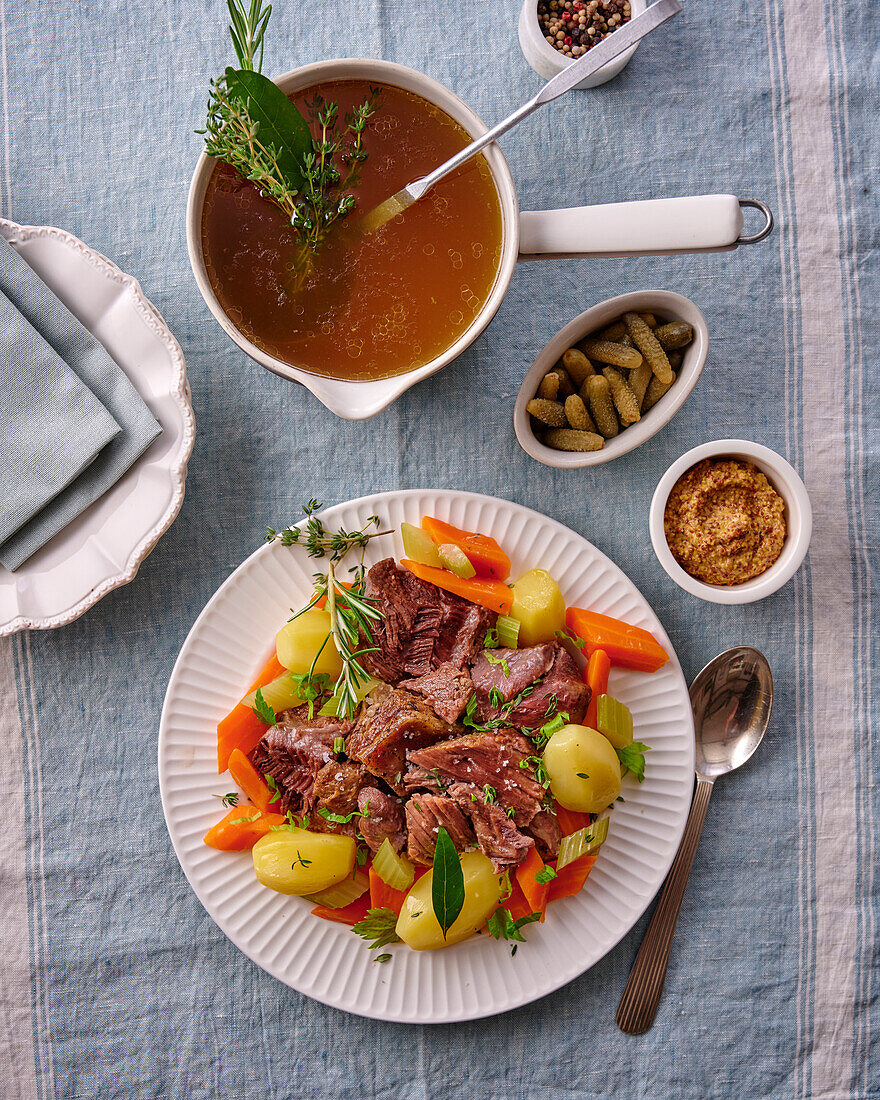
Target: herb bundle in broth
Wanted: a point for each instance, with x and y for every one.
(325, 297)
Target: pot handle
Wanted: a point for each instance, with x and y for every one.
(699, 223)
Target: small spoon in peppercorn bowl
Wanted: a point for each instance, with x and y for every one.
(609, 48)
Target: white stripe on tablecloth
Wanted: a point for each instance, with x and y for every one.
(824, 349)
(17, 1066)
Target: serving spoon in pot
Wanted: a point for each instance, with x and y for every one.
(616, 43)
(732, 698)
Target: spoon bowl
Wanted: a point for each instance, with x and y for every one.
(732, 698)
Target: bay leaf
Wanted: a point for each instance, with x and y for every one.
(447, 888)
(281, 124)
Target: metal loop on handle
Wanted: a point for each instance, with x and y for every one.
(765, 230)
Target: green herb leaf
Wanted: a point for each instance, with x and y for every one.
(503, 927)
(299, 860)
(447, 888)
(489, 794)
(502, 661)
(280, 124)
(378, 926)
(633, 758)
(272, 784)
(382, 958)
(491, 639)
(338, 819)
(262, 709)
(545, 875)
(338, 745)
(228, 800)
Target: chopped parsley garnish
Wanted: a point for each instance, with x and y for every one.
(568, 636)
(338, 819)
(378, 926)
(511, 812)
(502, 661)
(262, 709)
(545, 875)
(633, 758)
(491, 639)
(272, 784)
(536, 763)
(242, 820)
(338, 745)
(310, 688)
(503, 927)
(490, 795)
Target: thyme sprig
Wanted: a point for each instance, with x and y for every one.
(318, 541)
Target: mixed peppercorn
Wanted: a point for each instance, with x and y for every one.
(574, 26)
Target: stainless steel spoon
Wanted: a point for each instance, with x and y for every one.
(732, 698)
(625, 36)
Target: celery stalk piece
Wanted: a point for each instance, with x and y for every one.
(584, 842)
(454, 559)
(394, 870)
(615, 721)
(280, 694)
(419, 546)
(343, 893)
(508, 631)
(328, 710)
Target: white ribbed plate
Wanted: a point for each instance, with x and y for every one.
(231, 640)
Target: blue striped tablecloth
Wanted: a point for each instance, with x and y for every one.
(115, 983)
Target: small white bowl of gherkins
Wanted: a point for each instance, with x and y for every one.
(611, 379)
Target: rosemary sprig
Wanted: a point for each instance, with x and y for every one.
(246, 30)
(352, 613)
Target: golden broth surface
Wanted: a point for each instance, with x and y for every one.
(372, 305)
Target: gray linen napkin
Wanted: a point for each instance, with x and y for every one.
(67, 423)
(41, 398)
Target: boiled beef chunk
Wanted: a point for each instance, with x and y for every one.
(545, 829)
(497, 760)
(425, 813)
(337, 785)
(463, 627)
(382, 816)
(390, 723)
(497, 836)
(556, 683)
(409, 626)
(508, 672)
(294, 751)
(446, 688)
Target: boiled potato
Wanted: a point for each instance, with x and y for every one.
(298, 641)
(583, 769)
(296, 861)
(417, 925)
(539, 607)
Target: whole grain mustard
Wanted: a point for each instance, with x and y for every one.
(724, 521)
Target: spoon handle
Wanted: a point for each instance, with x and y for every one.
(637, 1007)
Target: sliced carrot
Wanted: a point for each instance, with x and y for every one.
(516, 904)
(535, 892)
(495, 595)
(241, 728)
(596, 677)
(571, 820)
(382, 896)
(571, 878)
(625, 645)
(251, 782)
(348, 914)
(482, 551)
(241, 828)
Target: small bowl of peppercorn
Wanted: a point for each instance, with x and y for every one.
(553, 33)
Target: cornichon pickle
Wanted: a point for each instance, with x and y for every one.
(548, 412)
(568, 439)
(618, 329)
(646, 342)
(675, 358)
(578, 366)
(623, 397)
(674, 335)
(566, 386)
(639, 379)
(655, 391)
(602, 406)
(549, 388)
(617, 354)
(577, 414)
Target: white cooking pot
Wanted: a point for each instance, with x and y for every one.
(705, 223)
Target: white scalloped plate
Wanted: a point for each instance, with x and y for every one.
(225, 648)
(103, 548)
